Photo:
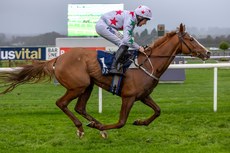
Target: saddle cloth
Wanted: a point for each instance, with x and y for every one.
(105, 59)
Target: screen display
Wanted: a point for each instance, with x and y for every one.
(83, 17)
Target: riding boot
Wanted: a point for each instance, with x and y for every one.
(117, 59)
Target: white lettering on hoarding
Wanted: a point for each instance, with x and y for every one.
(24, 53)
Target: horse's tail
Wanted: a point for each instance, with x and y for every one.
(33, 73)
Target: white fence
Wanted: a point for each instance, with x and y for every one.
(9, 69)
(215, 66)
(172, 66)
(190, 66)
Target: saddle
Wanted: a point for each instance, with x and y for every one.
(105, 59)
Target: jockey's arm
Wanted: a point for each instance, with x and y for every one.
(129, 25)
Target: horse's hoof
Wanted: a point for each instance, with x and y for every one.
(91, 124)
(104, 134)
(140, 123)
(136, 122)
(80, 134)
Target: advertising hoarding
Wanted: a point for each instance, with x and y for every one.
(82, 18)
(22, 53)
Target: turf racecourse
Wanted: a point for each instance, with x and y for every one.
(30, 122)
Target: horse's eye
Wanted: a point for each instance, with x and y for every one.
(191, 39)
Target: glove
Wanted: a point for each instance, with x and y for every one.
(145, 46)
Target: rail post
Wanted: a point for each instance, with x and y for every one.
(100, 99)
(215, 89)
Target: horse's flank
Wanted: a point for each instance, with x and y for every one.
(83, 61)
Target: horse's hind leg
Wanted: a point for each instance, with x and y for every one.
(81, 104)
(63, 102)
(81, 108)
(149, 102)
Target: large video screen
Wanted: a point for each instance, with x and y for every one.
(83, 17)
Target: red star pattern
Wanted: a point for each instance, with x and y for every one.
(132, 13)
(143, 12)
(113, 21)
(119, 12)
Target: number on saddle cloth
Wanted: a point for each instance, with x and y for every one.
(106, 59)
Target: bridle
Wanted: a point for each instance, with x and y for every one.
(182, 41)
(181, 38)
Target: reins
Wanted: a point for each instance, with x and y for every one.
(148, 57)
(142, 68)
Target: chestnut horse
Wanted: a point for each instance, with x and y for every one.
(78, 70)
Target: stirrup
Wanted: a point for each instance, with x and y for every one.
(115, 72)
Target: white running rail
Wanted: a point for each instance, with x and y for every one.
(215, 66)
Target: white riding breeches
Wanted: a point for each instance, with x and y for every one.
(109, 33)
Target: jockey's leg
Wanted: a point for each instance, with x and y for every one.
(115, 37)
(109, 33)
(117, 59)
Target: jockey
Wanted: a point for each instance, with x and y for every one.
(110, 23)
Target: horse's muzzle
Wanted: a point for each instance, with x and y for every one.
(207, 55)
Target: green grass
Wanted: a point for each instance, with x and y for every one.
(31, 122)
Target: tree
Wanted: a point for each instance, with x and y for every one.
(224, 46)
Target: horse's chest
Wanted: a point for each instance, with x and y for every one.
(148, 88)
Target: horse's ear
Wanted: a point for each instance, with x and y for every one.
(182, 28)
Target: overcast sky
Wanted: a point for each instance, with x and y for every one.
(40, 16)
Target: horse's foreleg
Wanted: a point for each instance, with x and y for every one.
(127, 104)
(149, 102)
(63, 102)
(81, 104)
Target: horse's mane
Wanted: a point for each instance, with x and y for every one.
(163, 39)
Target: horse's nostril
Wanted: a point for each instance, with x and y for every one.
(209, 54)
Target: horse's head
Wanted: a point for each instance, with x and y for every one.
(190, 46)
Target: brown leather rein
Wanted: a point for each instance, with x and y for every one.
(140, 66)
